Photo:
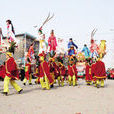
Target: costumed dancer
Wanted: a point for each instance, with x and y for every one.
(99, 73)
(28, 75)
(53, 67)
(61, 69)
(88, 72)
(43, 44)
(30, 54)
(80, 65)
(71, 43)
(11, 74)
(52, 43)
(94, 47)
(72, 72)
(60, 47)
(71, 51)
(10, 32)
(86, 51)
(46, 80)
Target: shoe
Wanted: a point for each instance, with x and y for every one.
(30, 83)
(98, 86)
(5, 93)
(35, 82)
(51, 86)
(19, 92)
(24, 84)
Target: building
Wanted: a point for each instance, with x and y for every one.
(25, 40)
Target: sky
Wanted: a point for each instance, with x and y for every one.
(73, 18)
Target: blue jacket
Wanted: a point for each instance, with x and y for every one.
(86, 51)
(72, 43)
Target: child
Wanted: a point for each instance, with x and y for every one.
(11, 74)
(72, 72)
(61, 71)
(46, 79)
(28, 75)
(88, 73)
(99, 73)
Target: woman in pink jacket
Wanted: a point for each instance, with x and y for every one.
(52, 43)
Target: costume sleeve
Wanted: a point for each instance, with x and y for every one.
(83, 49)
(55, 42)
(69, 45)
(49, 42)
(74, 45)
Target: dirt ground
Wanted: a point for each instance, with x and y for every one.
(81, 99)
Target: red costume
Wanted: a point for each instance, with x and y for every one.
(52, 43)
(92, 71)
(27, 70)
(2, 71)
(54, 69)
(11, 68)
(99, 71)
(88, 75)
(45, 70)
(72, 70)
(61, 70)
(30, 52)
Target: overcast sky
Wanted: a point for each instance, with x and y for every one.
(73, 18)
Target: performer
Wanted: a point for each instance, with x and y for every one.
(71, 51)
(86, 51)
(60, 47)
(88, 72)
(52, 67)
(30, 54)
(72, 72)
(80, 65)
(28, 75)
(43, 44)
(94, 49)
(71, 43)
(52, 43)
(11, 74)
(46, 79)
(10, 32)
(61, 72)
(99, 73)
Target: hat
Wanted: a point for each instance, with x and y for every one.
(52, 31)
(70, 38)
